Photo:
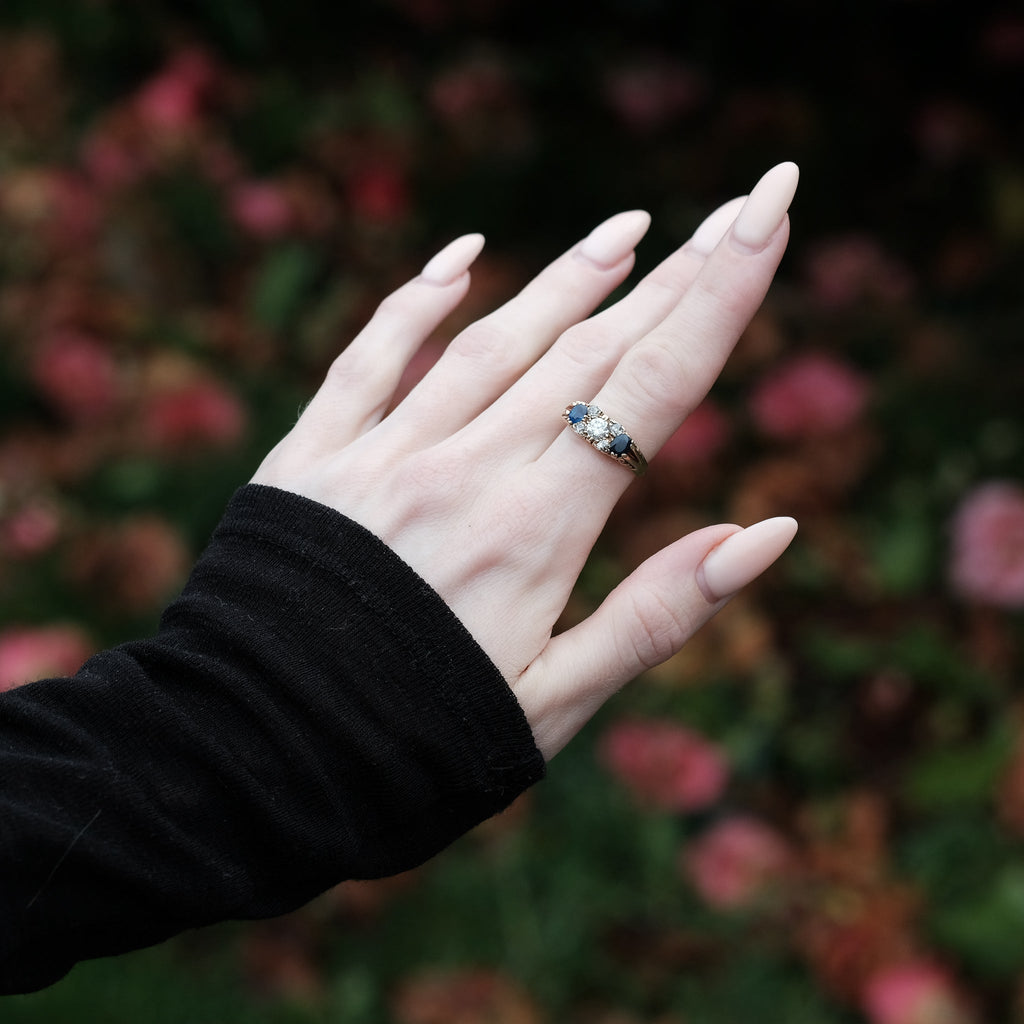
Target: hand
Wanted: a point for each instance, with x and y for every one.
(477, 483)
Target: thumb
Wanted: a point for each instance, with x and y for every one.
(644, 621)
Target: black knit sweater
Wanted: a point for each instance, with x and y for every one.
(309, 711)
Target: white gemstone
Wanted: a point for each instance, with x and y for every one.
(597, 428)
(615, 429)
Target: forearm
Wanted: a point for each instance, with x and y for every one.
(310, 711)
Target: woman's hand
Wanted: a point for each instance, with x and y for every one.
(477, 483)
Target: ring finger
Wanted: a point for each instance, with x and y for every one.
(663, 377)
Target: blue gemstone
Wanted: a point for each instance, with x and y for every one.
(577, 412)
(621, 444)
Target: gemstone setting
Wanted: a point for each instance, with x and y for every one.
(576, 413)
(605, 434)
(620, 443)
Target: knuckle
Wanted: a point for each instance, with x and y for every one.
(655, 372)
(590, 346)
(658, 630)
(483, 342)
(347, 370)
(395, 306)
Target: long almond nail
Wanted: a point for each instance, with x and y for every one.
(713, 228)
(765, 207)
(744, 556)
(612, 241)
(453, 260)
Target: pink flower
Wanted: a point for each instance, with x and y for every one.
(173, 98)
(199, 414)
(31, 653)
(664, 765)
(812, 394)
(842, 271)
(112, 157)
(30, 530)
(916, 992)
(987, 557)
(701, 437)
(733, 861)
(77, 374)
(261, 208)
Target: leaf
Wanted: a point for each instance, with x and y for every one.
(948, 779)
(282, 282)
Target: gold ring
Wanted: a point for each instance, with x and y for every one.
(605, 435)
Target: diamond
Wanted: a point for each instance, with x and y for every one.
(597, 428)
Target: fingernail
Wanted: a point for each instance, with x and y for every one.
(713, 228)
(611, 242)
(765, 207)
(453, 260)
(744, 556)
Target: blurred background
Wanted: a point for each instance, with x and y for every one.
(815, 813)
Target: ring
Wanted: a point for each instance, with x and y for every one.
(605, 435)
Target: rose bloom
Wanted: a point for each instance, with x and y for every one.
(173, 98)
(807, 396)
(842, 271)
(732, 863)
(30, 653)
(77, 374)
(30, 530)
(664, 765)
(198, 414)
(987, 557)
(261, 208)
(916, 992)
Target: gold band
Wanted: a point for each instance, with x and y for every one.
(605, 435)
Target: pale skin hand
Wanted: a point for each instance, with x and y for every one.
(475, 481)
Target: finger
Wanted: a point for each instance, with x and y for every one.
(363, 378)
(643, 622)
(664, 376)
(485, 358)
(584, 356)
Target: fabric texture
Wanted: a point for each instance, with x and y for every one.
(309, 711)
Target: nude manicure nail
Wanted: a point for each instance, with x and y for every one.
(611, 242)
(765, 207)
(713, 228)
(453, 260)
(744, 556)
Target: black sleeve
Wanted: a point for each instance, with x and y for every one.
(309, 711)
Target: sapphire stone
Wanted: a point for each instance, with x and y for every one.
(577, 412)
(621, 444)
